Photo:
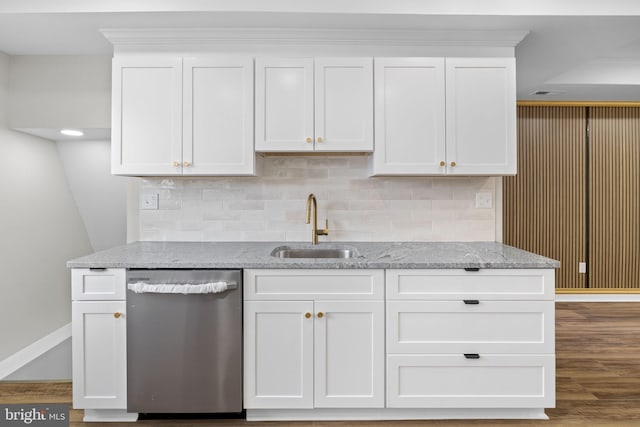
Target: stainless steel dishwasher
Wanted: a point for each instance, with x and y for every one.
(184, 341)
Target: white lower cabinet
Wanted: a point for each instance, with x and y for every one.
(470, 339)
(278, 352)
(477, 326)
(349, 354)
(99, 344)
(456, 381)
(99, 354)
(313, 353)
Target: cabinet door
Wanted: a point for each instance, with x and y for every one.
(218, 117)
(409, 116)
(146, 130)
(99, 355)
(278, 354)
(481, 116)
(343, 104)
(349, 354)
(284, 104)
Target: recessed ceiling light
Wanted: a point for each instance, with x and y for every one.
(544, 92)
(71, 132)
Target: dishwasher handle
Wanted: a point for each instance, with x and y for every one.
(182, 288)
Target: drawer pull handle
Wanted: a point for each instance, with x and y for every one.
(307, 315)
(117, 315)
(320, 315)
(471, 301)
(471, 356)
(472, 269)
(97, 269)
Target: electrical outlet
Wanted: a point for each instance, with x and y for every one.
(582, 267)
(149, 201)
(484, 200)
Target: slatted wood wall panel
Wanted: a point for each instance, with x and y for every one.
(544, 204)
(614, 197)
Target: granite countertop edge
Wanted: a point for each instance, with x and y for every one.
(373, 255)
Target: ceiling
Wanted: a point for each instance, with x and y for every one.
(578, 50)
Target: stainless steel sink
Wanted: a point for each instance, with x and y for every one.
(287, 252)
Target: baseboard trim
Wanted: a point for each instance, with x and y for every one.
(575, 297)
(33, 351)
(109, 415)
(342, 414)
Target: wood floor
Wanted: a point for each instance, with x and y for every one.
(598, 377)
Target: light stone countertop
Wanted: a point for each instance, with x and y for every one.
(381, 255)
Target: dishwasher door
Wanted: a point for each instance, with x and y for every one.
(184, 352)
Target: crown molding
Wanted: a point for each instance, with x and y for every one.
(181, 37)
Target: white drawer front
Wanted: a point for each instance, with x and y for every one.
(517, 284)
(452, 381)
(456, 327)
(313, 284)
(98, 284)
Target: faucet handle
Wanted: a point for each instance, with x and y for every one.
(324, 232)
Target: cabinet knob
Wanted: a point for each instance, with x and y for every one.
(442, 164)
(319, 139)
(117, 315)
(187, 164)
(309, 140)
(176, 164)
(307, 315)
(320, 315)
(453, 164)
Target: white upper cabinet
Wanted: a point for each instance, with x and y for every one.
(171, 118)
(313, 338)
(284, 104)
(445, 116)
(410, 116)
(343, 104)
(481, 116)
(218, 117)
(304, 104)
(146, 129)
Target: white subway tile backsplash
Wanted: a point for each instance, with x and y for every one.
(243, 205)
(366, 205)
(271, 206)
(165, 204)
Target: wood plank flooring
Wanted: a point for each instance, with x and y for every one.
(598, 378)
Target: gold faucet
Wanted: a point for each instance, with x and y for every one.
(315, 232)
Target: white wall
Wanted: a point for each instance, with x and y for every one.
(57, 91)
(272, 206)
(53, 365)
(100, 196)
(41, 229)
